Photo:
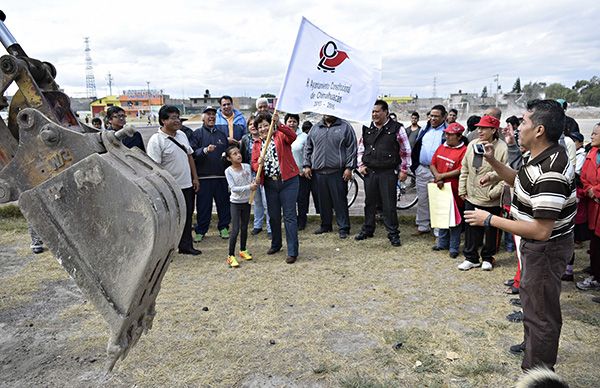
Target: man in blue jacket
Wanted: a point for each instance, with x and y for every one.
(209, 144)
(230, 121)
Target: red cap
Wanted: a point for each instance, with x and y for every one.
(488, 122)
(454, 128)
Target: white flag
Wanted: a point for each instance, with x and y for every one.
(329, 77)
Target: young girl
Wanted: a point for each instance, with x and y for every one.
(239, 179)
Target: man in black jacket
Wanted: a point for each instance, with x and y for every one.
(383, 159)
(116, 118)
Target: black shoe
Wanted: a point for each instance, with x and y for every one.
(255, 231)
(291, 259)
(515, 302)
(512, 290)
(301, 227)
(191, 251)
(272, 250)
(515, 316)
(322, 230)
(436, 248)
(343, 234)
(395, 242)
(567, 277)
(509, 282)
(453, 255)
(517, 349)
(362, 236)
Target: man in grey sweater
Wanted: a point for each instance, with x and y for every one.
(330, 153)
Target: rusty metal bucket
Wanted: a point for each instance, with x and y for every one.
(112, 220)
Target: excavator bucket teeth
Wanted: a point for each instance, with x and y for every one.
(113, 221)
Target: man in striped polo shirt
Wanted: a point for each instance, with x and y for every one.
(543, 208)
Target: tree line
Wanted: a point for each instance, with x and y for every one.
(583, 92)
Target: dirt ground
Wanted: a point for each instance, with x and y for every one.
(349, 314)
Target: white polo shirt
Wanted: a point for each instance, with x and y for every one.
(170, 157)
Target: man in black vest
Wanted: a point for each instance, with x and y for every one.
(383, 159)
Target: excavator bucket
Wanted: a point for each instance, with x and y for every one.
(113, 221)
(110, 215)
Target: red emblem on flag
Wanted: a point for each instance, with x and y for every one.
(331, 57)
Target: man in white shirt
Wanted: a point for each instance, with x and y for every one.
(169, 148)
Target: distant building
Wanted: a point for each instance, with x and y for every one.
(100, 105)
(141, 103)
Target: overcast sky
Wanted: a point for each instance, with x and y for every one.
(242, 47)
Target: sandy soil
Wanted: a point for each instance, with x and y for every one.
(346, 314)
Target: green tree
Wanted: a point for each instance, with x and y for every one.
(589, 91)
(556, 90)
(517, 86)
(534, 90)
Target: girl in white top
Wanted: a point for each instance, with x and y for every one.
(239, 179)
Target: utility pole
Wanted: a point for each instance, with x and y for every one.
(496, 92)
(110, 80)
(149, 105)
(90, 81)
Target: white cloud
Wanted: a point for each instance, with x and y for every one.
(239, 47)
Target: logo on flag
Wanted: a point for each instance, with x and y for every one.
(331, 57)
(343, 83)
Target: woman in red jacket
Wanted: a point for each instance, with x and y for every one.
(590, 179)
(280, 177)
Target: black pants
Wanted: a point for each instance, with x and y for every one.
(186, 241)
(475, 235)
(240, 216)
(380, 188)
(333, 194)
(595, 255)
(543, 264)
(303, 200)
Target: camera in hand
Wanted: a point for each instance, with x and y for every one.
(479, 149)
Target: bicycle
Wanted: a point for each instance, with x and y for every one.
(406, 191)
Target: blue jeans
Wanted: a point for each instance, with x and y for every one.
(260, 209)
(282, 195)
(509, 242)
(450, 238)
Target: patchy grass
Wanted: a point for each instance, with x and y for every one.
(350, 314)
(10, 211)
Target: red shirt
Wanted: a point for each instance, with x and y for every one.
(446, 159)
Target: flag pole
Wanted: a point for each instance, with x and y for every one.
(262, 156)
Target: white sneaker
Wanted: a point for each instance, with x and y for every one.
(467, 265)
(487, 266)
(588, 284)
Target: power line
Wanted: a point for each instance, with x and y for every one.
(389, 85)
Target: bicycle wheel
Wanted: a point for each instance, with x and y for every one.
(352, 191)
(406, 193)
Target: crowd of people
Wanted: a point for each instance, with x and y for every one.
(531, 182)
